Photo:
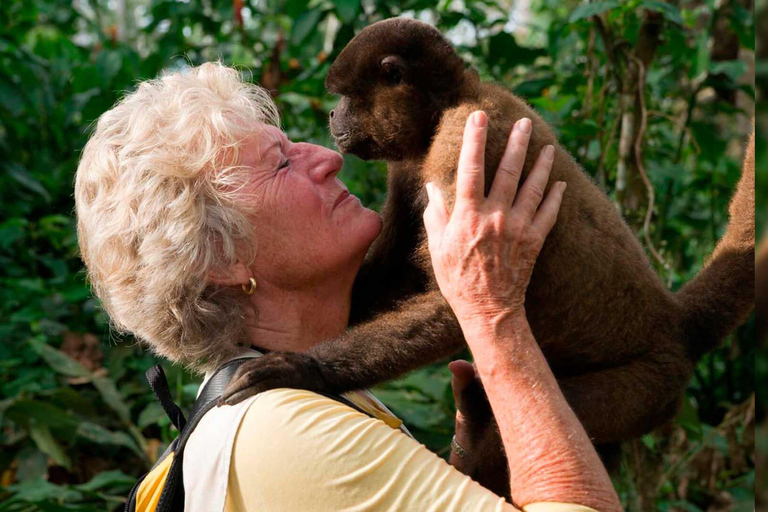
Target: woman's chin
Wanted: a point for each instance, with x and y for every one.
(366, 226)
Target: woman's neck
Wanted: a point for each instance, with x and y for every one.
(296, 320)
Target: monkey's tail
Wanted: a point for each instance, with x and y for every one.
(722, 295)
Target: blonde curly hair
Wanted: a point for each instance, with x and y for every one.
(159, 210)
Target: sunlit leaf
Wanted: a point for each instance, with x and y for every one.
(592, 9)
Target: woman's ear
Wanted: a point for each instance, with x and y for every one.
(237, 274)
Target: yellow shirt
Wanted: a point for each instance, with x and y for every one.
(297, 451)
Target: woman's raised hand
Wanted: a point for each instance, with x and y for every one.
(483, 252)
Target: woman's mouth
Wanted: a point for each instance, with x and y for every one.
(344, 195)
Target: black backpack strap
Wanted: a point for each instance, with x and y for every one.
(159, 384)
(215, 387)
(172, 497)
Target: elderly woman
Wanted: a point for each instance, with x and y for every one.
(207, 232)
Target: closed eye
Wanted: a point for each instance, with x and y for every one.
(284, 164)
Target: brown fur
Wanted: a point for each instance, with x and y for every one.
(621, 345)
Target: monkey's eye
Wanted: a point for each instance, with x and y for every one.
(393, 69)
(393, 75)
(284, 164)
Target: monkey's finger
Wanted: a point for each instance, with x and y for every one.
(470, 178)
(511, 166)
(546, 216)
(436, 215)
(532, 192)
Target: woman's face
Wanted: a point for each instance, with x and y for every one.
(307, 227)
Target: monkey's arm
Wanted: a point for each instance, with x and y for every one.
(421, 330)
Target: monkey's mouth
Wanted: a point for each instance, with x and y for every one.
(350, 143)
(342, 140)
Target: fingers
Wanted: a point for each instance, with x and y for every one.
(508, 174)
(463, 375)
(546, 216)
(470, 177)
(436, 215)
(532, 192)
(241, 387)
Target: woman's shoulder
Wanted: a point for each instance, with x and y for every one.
(298, 450)
(302, 417)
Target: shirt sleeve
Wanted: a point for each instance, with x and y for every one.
(297, 450)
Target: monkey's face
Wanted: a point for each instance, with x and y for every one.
(392, 119)
(395, 78)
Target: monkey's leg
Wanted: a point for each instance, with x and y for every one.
(628, 401)
(420, 330)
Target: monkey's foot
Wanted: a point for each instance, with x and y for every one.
(274, 370)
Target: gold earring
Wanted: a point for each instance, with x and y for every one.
(250, 287)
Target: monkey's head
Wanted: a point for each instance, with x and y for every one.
(395, 78)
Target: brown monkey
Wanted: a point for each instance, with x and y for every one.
(621, 345)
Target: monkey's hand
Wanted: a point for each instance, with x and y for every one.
(274, 370)
(483, 456)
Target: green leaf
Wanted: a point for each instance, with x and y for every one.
(732, 68)
(648, 441)
(304, 25)
(151, 414)
(702, 54)
(112, 397)
(37, 491)
(24, 178)
(688, 417)
(42, 437)
(504, 51)
(109, 63)
(11, 99)
(670, 12)
(32, 464)
(592, 9)
(58, 360)
(29, 412)
(347, 10)
(294, 8)
(101, 435)
(116, 480)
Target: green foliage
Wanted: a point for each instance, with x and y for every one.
(78, 420)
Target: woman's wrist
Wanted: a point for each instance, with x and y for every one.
(554, 459)
(504, 325)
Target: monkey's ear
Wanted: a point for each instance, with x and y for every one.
(393, 69)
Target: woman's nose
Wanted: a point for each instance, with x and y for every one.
(322, 162)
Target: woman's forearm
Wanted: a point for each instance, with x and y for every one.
(550, 456)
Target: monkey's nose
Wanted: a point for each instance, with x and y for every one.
(331, 114)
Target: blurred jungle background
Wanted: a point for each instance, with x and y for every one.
(761, 268)
(78, 422)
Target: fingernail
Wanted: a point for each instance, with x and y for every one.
(428, 186)
(549, 152)
(563, 186)
(525, 125)
(479, 118)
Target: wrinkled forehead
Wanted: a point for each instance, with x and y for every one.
(262, 146)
